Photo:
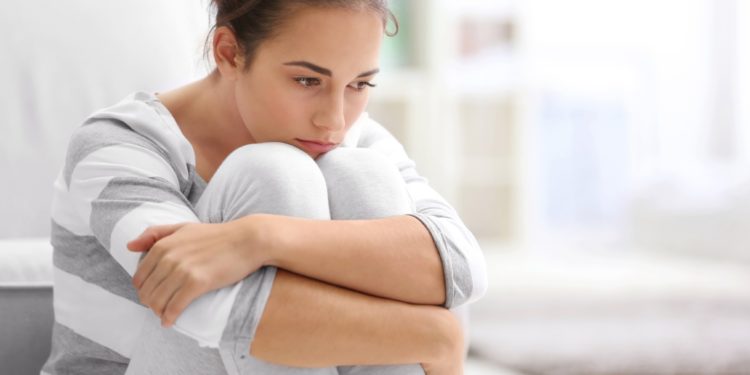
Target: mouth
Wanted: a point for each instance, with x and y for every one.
(316, 147)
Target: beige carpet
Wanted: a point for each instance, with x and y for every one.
(614, 314)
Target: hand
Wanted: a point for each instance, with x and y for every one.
(187, 260)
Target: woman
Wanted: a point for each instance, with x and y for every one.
(261, 215)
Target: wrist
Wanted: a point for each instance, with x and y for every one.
(255, 235)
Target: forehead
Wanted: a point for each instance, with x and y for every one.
(331, 37)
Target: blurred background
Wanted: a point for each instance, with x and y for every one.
(599, 150)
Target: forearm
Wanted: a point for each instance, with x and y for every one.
(307, 323)
(392, 257)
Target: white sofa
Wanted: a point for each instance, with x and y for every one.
(25, 305)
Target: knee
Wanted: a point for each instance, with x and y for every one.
(363, 184)
(258, 156)
(358, 166)
(273, 165)
(273, 178)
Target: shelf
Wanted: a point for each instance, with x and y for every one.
(487, 171)
(448, 90)
(492, 9)
(399, 83)
(488, 211)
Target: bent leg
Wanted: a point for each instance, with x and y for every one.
(268, 178)
(363, 184)
(310, 323)
(300, 321)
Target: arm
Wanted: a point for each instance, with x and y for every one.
(308, 323)
(122, 185)
(118, 184)
(432, 260)
(391, 258)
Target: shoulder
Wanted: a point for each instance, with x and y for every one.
(131, 129)
(372, 135)
(95, 134)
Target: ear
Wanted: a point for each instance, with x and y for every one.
(227, 53)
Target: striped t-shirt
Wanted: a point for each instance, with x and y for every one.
(129, 167)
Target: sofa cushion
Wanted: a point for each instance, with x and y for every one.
(25, 263)
(26, 315)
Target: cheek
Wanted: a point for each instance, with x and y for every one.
(267, 103)
(355, 106)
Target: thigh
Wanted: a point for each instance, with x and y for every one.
(163, 351)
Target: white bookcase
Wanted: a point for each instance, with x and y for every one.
(449, 93)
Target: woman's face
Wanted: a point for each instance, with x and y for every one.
(307, 85)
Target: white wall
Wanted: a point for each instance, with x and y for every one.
(626, 94)
(63, 60)
(743, 91)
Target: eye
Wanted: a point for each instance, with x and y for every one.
(307, 81)
(361, 85)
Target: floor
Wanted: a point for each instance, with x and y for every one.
(612, 313)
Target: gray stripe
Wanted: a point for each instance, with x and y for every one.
(124, 194)
(458, 282)
(94, 135)
(196, 187)
(463, 283)
(75, 354)
(86, 258)
(246, 312)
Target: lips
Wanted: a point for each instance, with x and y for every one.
(316, 147)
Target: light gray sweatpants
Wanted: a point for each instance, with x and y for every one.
(276, 178)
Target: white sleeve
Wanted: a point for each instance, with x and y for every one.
(114, 186)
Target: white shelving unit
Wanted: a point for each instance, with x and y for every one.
(449, 92)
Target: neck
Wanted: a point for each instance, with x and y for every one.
(207, 114)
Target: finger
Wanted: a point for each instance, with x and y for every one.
(154, 279)
(152, 235)
(140, 243)
(164, 292)
(179, 302)
(145, 268)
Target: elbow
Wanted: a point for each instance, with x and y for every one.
(464, 267)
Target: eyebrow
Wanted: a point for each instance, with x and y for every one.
(324, 71)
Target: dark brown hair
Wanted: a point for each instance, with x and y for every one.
(254, 21)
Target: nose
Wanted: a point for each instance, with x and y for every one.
(330, 113)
